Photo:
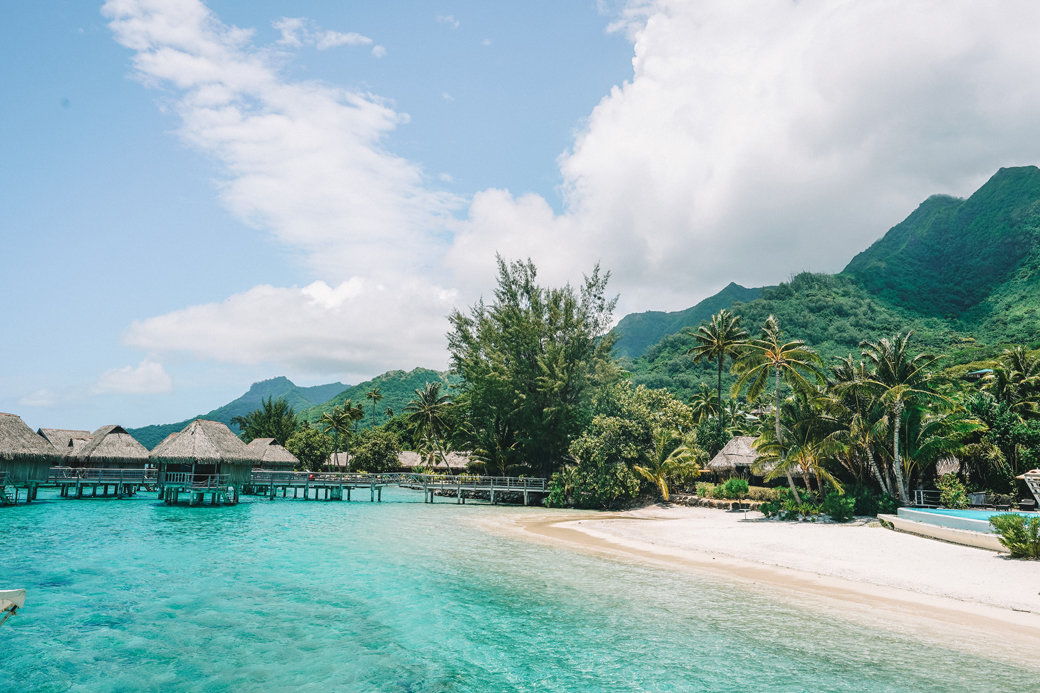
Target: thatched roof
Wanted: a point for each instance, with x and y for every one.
(66, 440)
(19, 441)
(266, 451)
(203, 441)
(111, 444)
(736, 453)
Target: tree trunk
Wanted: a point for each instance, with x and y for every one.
(718, 403)
(897, 463)
(876, 471)
(783, 453)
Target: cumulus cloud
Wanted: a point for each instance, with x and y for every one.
(146, 378)
(41, 398)
(356, 327)
(753, 140)
(449, 20)
(298, 31)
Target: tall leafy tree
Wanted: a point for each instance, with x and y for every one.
(375, 395)
(427, 413)
(792, 362)
(860, 415)
(529, 362)
(340, 421)
(1015, 381)
(274, 419)
(722, 337)
(900, 380)
(671, 453)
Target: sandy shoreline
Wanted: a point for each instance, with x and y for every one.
(959, 596)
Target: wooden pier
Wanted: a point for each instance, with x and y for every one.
(91, 482)
(339, 486)
(195, 487)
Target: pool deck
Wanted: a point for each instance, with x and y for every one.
(956, 530)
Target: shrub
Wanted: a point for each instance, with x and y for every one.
(952, 493)
(1019, 535)
(840, 507)
(705, 489)
(786, 508)
(869, 502)
(734, 488)
(761, 493)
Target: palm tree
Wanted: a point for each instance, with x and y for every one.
(274, 419)
(669, 455)
(899, 380)
(341, 420)
(374, 395)
(806, 422)
(716, 340)
(1016, 381)
(792, 362)
(704, 403)
(428, 413)
(860, 414)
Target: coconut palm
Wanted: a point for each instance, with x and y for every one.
(374, 395)
(716, 340)
(806, 422)
(670, 454)
(428, 414)
(704, 403)
(899, 381)
(1015, 380)
(793, 363)
(860, 415)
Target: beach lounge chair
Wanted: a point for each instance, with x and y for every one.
(1027, 504)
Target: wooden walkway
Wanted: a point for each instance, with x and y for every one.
(340, 486)
(87, 482)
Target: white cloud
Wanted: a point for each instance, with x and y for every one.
(298, 31)
(358, 326)
(146, 378)
(379, 51)
(449, 20)
(41, 398)
(754, 140)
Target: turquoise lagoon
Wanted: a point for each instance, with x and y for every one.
(405, 596)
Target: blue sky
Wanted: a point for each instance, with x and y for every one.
(200, 195)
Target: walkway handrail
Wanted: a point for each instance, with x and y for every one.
(498, 483)
(102, 475)
(196, 480)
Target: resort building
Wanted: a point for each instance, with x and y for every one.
(737, 456)
(271, 456)
(65, 440)
(204, 458)
(25, 459)
(112, 447)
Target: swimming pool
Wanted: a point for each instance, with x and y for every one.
(970, 520)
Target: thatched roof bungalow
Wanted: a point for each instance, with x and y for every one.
(268, 454)
(66, 440)
(738, 455)
(205, 448)
(25, 457)
(111, 446)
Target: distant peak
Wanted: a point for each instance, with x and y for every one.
(266, 384)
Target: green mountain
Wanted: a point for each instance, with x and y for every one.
(964, 275)
(299, 398)
(397, 387)
(638, 331)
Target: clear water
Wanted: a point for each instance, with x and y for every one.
(404, 596)
(982, 515)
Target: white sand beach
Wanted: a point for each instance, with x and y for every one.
(964, 597)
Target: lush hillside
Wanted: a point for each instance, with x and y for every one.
(638, 331)
(964, 275)
(397, 387)
(300, 398)
(950, 255)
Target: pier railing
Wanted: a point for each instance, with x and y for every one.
(196, 481)
(263, 477)
(98, 475)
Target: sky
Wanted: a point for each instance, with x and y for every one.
(198, 195)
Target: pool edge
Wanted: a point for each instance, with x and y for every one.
(964, 537)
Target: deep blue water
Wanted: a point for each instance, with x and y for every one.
(404, 596)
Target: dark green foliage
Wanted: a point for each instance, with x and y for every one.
(598, 483)
(375, 451)
(840, 507)
(274, 419)
(312, 447)
(529, 363)
(734, 488)
(785, 507)
(396, 389)
(638, 331)
(1018, 534)
(710, 438)
(952, 493)
(870, 502)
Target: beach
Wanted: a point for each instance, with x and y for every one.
(964, 597)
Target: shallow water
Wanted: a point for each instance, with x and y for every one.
(403, 596)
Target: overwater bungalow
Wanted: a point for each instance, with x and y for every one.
(111, 459)
(204, 458)
(25, 459)
(66, 441)
(111, 446)
(269, 455)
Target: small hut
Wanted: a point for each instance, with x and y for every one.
(25, 457)
(205, 457)
(66, 440)
(269, 455)
(737, 455)
(111, 447)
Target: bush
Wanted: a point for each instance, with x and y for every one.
(377, 451)
(705, 489)
(1019, 535)
(952, 493)
(840, 507)
(734, 488)
(786, 508)
(869, 502)
(761, 493)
